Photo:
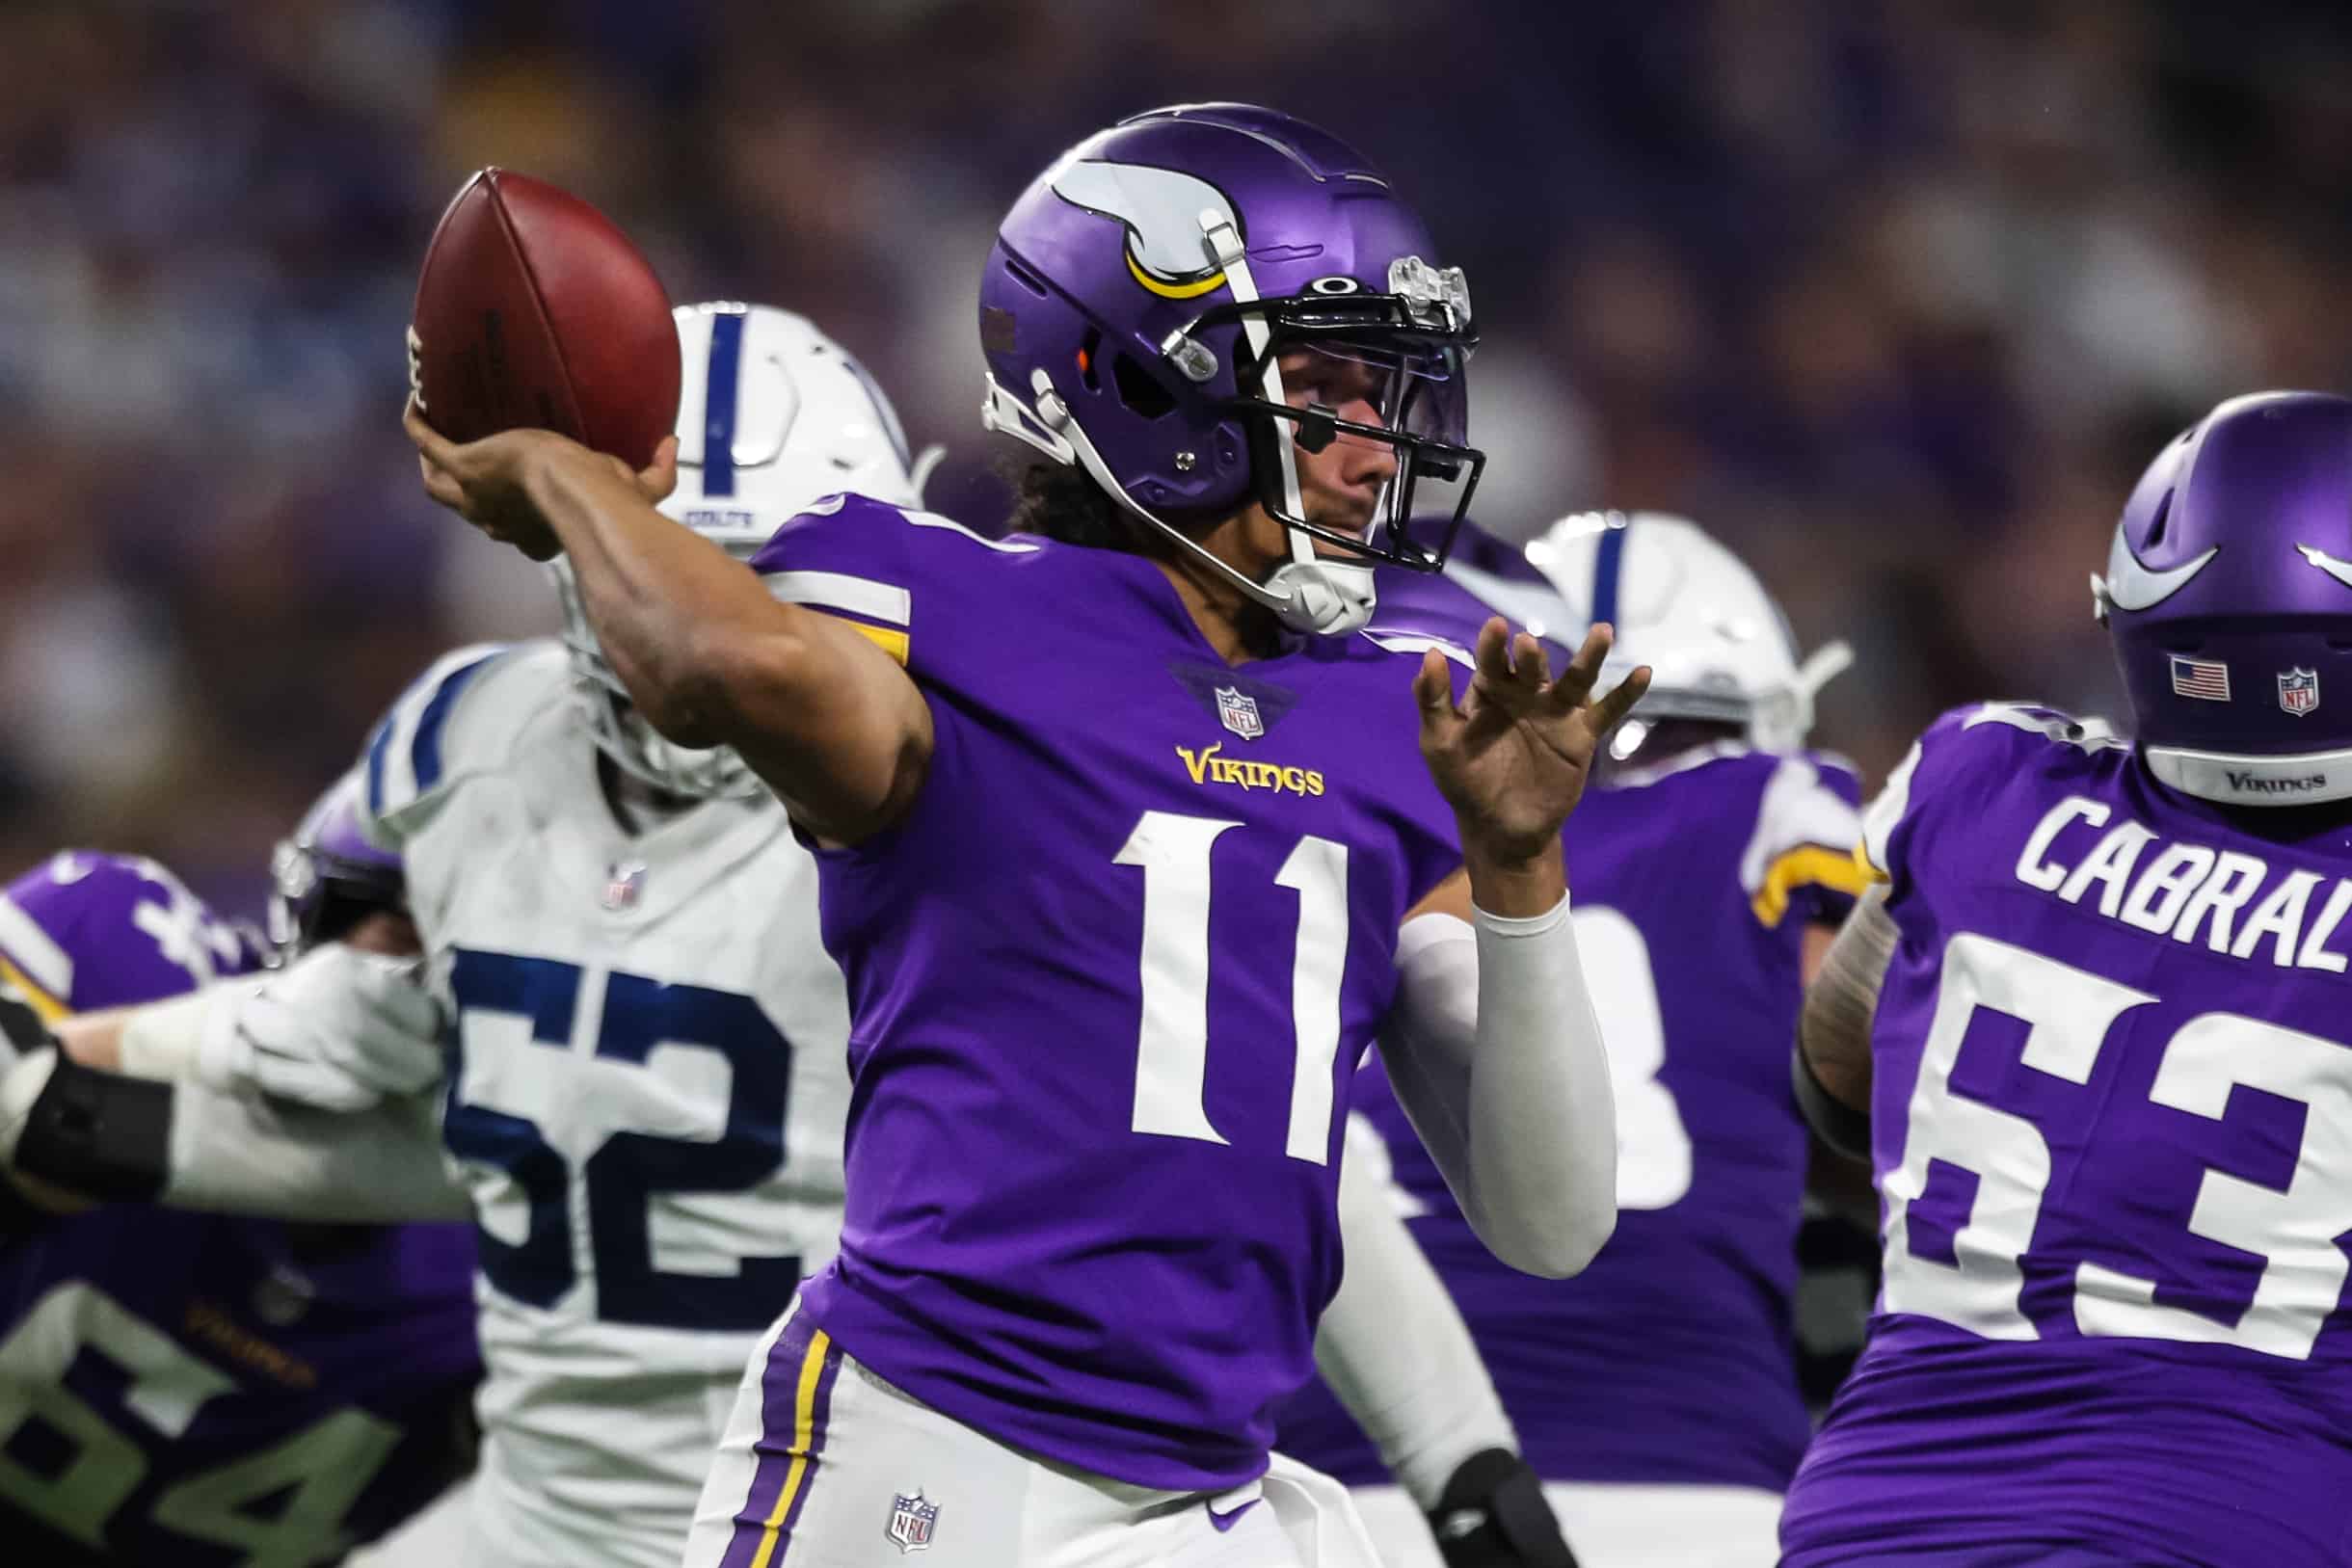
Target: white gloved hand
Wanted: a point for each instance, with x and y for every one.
(337, 1028)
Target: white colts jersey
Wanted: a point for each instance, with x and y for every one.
(645, 1097)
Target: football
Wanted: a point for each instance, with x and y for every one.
(534, 310)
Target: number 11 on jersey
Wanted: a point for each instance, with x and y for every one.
(1172, 1052)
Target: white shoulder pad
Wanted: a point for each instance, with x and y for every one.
(460, 716)
(1406, 642)
(1806, 832)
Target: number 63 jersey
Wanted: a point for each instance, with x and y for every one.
(2112, 1133)
(645, 1092)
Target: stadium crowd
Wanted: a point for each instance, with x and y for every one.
(1895, 298)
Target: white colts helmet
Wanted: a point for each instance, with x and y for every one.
(772, 415)
(1717, 646)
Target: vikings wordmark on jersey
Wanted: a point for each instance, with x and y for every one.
(644, 1094)
(2112, 1122)
(195, 1389)
(1105, 967)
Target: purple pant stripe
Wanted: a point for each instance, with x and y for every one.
(763, 1524)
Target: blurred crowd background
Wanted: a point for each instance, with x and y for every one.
(1897, 295)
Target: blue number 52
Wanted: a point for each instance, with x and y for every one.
(625, 1169)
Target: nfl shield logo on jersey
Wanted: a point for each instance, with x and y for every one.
(624, 882)
(1239, 713)
(2298, 691)
(911, 1521)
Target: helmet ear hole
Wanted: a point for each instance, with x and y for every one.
(1139, 390)
(2164, 513)
(1090, 352)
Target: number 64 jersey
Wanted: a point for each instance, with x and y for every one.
(2112, 1133)
(645, 1094)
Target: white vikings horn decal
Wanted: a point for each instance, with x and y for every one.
(2334, 565)
(2132, 586)
(1161, 209)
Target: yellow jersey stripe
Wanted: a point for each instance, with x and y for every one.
(48, 1008)
(804, 1434)
(893, 642)
(1805, 865)
(1869, 872)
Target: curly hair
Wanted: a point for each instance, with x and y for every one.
(1063, 502)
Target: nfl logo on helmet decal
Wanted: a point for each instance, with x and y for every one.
(1238, 710)
(912, 1521)
(2298, 691)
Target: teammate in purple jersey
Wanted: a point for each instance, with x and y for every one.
(194, 1389)
(1657, 1394)
(2092, 1030)
(1118, 825)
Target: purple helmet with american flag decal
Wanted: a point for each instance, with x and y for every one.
(2229, 596)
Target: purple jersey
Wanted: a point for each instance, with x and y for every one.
(88, 931)
(1110, 980)
(194, 1389)
(1670, 1359)
(2112, 1133)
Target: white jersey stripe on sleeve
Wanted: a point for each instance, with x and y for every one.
(1798, 810)
(422, 710)
(865, 597)
(44, 961)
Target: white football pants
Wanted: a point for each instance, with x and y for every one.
(824, 1465)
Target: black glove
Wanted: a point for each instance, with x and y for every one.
(1493, 1515)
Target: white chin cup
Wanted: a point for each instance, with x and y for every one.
(2305, 780)
(1329, 599)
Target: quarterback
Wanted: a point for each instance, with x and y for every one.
(1117, 825)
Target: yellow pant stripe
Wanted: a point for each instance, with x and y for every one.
(804, 1436)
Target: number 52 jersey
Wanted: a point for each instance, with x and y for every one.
(644, 1097)
(2112, 1135)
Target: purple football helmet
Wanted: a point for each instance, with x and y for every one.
(2229, 594)
(327, 876)
(1141, 292)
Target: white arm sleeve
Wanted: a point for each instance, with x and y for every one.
(1394, 1348)
(1496, 1056)
(245, 1153)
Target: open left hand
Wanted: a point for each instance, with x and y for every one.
(486, 481)
(1513, 758)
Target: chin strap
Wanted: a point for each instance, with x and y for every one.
(1329, 598)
